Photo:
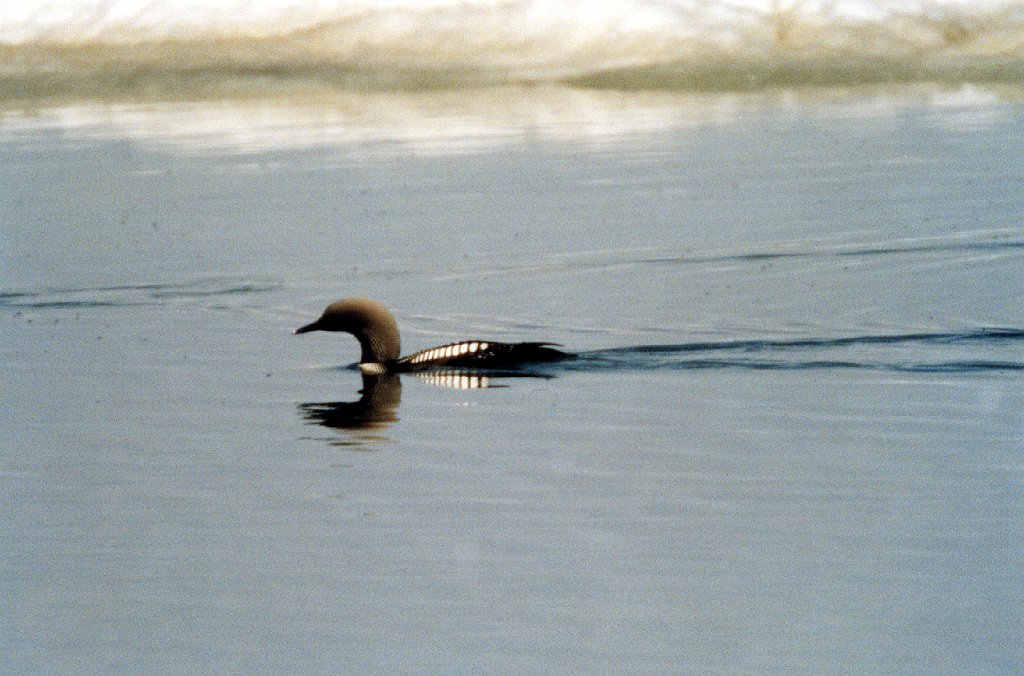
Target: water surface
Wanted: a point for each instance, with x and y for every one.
(792, 442)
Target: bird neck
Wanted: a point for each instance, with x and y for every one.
(379, 343)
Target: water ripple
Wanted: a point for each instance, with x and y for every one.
(129, 295)
(968, 351)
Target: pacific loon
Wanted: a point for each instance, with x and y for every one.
(377, 332)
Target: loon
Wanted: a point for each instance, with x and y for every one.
(377, 332)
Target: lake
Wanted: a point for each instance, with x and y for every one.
(793, 439)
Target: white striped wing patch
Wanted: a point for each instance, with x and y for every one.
(448, 351)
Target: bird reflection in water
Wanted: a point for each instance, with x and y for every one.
(457, 380)
(365, 419)
(362, 419)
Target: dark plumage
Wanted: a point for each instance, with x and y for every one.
(377, 332)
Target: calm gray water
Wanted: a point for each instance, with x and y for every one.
(794, 439)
